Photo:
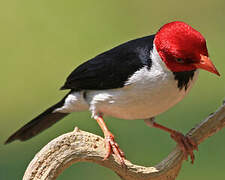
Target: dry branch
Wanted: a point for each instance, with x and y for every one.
(78, 146)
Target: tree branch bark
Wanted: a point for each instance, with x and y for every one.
(78, 146)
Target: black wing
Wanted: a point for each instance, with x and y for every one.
(112, 68)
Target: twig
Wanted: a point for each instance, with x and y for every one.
(78, 146)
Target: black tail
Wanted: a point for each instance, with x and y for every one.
(39, 124)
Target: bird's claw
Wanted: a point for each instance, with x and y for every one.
(113, 147)
(186, 144)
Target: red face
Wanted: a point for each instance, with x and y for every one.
(182, 48)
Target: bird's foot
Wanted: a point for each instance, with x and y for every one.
(186, 144)
(113, 147)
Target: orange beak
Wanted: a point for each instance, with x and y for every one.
(206, 64)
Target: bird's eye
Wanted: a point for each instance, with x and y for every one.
(179, 60)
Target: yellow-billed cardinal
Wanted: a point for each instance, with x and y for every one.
(136, 80)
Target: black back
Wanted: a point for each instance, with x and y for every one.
(112, 68)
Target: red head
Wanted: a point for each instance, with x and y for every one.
(182, 48)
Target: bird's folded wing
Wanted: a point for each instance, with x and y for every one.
(112, 68)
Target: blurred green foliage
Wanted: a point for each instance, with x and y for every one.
(42, 41)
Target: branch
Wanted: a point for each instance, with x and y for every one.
(81, 146)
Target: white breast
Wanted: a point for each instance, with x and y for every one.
(146, 94)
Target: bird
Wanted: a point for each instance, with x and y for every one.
(138, 79)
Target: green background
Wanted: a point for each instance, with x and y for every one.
(42, 41)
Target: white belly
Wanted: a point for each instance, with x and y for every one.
(145, 98)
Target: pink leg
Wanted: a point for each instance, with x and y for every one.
(111, 145)
(186, 144)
